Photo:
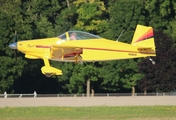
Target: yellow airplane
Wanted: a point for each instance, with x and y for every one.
(78, 46)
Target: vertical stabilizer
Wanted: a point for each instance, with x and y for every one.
(143, 37)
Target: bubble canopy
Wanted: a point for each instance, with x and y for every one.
(78, 35)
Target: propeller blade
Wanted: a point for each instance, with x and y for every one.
(15, 44)
(15, 53)
(15, 36)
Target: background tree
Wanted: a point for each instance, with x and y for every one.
(124, 15)
(10, 69)
(65, 20)
(107, 18)
(161, 15)
(92, 17)
(159, 77)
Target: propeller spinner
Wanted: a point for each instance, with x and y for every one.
(13, 45)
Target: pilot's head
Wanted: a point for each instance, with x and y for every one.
(73, 36)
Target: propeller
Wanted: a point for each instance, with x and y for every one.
(14, 44)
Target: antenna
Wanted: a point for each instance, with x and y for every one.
(120, 35)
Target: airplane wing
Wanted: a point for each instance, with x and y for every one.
(70, 49)
(66, 51)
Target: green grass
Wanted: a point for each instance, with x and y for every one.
(89, 113)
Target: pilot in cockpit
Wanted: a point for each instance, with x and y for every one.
(73, 36)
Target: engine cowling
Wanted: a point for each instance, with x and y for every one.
(49, 71)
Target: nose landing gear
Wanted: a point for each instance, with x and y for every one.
(49, 71)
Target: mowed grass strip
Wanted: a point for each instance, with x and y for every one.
(91, 113)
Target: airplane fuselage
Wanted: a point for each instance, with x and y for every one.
(106, 50)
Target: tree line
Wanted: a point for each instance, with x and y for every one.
(107, 18)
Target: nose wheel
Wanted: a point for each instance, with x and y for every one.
(48, 74)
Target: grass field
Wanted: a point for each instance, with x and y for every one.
(89, 113)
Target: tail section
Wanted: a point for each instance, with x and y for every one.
(144, 38)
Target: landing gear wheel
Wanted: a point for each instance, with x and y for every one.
(48, 74)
